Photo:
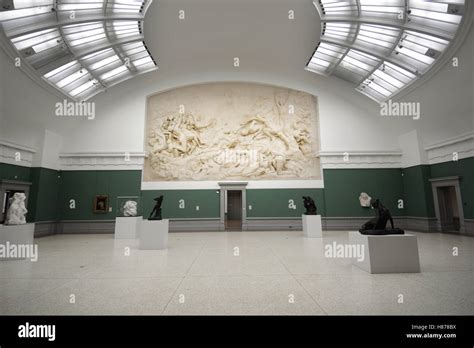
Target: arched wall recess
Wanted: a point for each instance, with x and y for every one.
(386, 47)
(79, 48)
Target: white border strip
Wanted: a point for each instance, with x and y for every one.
(214, 185)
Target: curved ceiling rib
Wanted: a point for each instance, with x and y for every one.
(80, 47)
(383, 46)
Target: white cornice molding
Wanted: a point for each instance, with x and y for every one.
(216, 185)
(16, 154)
(444, 151)
(360, 159)
(102, 160)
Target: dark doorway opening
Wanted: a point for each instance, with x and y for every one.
(448, 209)
(233, 217)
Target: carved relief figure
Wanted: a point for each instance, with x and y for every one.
(232, 131)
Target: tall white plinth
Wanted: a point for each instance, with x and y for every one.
(154, 234)
(16, 235)
(395, 253)
(127, 227)
(312, 227)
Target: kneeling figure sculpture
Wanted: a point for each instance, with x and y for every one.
(377, 225)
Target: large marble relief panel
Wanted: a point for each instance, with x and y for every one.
(232, 131)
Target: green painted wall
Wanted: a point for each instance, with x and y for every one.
(275, 202)
(342, 188)
(44, 194)
(464, 168)
(82, 186)
(418, 195)
(207, 200)
(13, 172)
(339, 198)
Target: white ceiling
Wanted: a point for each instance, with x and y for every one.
(215, 31)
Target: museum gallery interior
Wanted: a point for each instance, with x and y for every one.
(236, 157)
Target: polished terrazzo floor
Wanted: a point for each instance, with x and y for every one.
(232, 273)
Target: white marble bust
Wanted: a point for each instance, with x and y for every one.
(130, 208)
(365, 200)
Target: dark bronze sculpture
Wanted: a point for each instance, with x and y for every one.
(309, 205)
(156, 212)
(377, 225)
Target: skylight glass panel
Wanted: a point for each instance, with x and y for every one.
(122, 29)
(443, 17)
(62, 68)
(144, 63)
(106, 61)
(83, 5)
(384, 45)
(80, 34)
(438, 15)
(412, 54)
(386, 81)
(125, 6)
(376, 37)
(71, 78)
(113, 73)
(74, 44)
(382, 75)
(36, 39)
(25, 12)
(356, 65)
(338, 7)
(325, 56)
(340, 31)
(387, 9)
(82, 88)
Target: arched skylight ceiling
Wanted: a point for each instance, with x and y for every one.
(382, 46)
(80, 47)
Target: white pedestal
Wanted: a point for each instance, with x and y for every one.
(127, 227)
(396, 253)
(16, 235)
(153, 234)
(312, 227)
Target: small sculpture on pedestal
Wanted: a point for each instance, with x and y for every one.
(309, 205)
(156, 212)
(130, 208)
(377, 225)
(16, 210)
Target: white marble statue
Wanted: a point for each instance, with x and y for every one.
(16, 210)
(130, 208)
(364, 200)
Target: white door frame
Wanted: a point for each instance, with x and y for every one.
(443, 182)
(232, 186)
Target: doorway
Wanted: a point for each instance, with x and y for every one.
(233, 216)
(448, 209)
(448, 204)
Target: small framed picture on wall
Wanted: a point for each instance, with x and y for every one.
(101, 204)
